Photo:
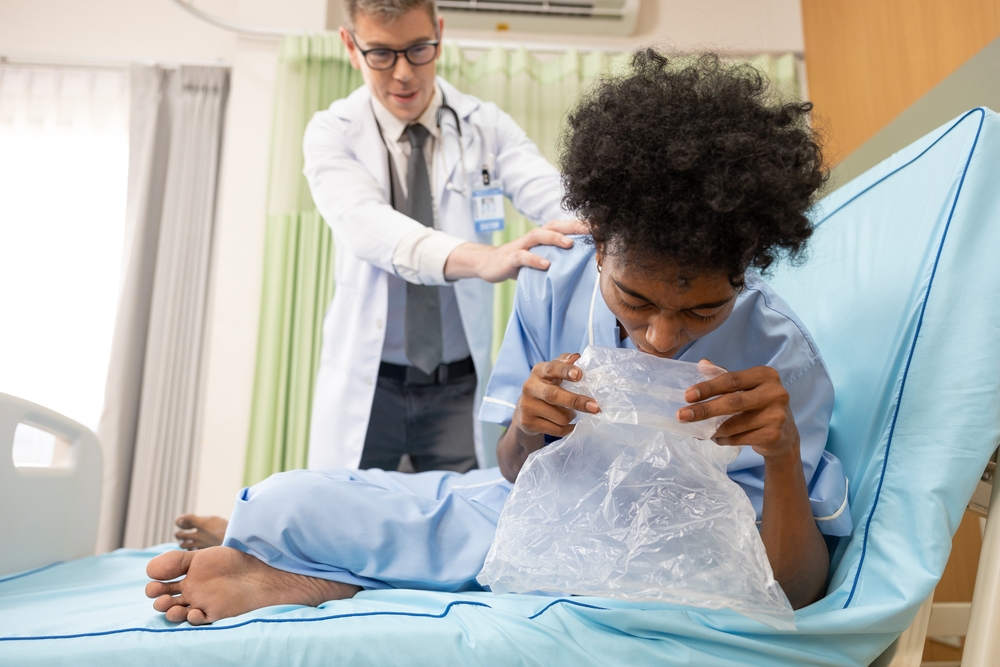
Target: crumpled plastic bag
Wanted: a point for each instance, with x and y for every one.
(634, 504)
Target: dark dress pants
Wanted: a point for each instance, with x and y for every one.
(421, 427)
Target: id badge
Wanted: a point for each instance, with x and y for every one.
(487, 208)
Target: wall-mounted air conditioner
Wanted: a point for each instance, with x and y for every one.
(605, 17)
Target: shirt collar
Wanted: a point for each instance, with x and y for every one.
(394, 128)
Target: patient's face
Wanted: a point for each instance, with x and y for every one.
(660, 309)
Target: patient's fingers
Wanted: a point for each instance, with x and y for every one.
(551, 412)
(751, 437)
(535, 423)
(733, 393)
(552, 428)
(729, 383)
(557, 396)
(546, 419)
(559, 369)
(543, 384)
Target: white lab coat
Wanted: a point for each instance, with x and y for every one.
(346, 165)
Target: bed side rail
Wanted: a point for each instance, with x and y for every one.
(47, 514)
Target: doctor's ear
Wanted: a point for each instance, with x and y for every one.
(352, 51)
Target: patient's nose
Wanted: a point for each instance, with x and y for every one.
(663, 334)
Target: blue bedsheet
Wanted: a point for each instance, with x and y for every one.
(901, 294)
(93, 612)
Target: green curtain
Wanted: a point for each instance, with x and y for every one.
(313, 71)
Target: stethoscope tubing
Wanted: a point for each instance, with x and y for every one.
(444, 108)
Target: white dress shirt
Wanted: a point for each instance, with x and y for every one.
(420, 256)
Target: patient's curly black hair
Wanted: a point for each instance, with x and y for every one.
(694, 163)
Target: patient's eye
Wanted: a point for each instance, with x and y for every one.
(631, 307)
(701, 317)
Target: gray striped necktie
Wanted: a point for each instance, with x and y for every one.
(423, 302)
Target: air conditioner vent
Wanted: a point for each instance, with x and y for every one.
(616, 17)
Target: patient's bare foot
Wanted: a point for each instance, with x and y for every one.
(200, 532)
(220, 582)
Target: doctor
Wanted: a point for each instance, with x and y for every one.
(392, 382)
(396, 169)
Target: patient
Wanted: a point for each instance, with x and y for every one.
(692, 181)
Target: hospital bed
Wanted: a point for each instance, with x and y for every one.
(900, 291)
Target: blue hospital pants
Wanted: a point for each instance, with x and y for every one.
(373, 528)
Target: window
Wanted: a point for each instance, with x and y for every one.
(63, 178)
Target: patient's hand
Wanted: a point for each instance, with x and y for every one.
(544, 408)
(759, 405)
(763, 419)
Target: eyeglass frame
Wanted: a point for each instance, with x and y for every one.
(395, 53)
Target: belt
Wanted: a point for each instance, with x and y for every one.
(443, 374)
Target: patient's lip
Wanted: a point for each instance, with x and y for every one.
(663, 355)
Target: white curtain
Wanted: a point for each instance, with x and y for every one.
(149, 428)
(63, 172)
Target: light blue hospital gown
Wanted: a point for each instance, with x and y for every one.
(432, 530)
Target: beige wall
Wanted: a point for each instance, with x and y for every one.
(740, 26)
(113, 28)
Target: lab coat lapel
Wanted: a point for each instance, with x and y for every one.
(365, 138)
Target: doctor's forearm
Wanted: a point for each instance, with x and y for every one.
(466, 261)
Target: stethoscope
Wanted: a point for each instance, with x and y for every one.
(442, 110)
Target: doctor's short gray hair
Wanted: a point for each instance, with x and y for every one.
(385, 11)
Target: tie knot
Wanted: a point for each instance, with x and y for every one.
(417, 134)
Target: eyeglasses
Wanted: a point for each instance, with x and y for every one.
(383, 58)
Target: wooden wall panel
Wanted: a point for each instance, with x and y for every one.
(959, 580)
(867, 60)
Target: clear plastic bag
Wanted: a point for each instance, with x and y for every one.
(634, 504)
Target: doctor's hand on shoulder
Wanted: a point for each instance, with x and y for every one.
(496, 264)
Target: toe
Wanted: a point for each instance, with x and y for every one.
(168, 602)
(169, 565)
(197, 617)
(188, 541)
(155, 589)
(178, 614)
